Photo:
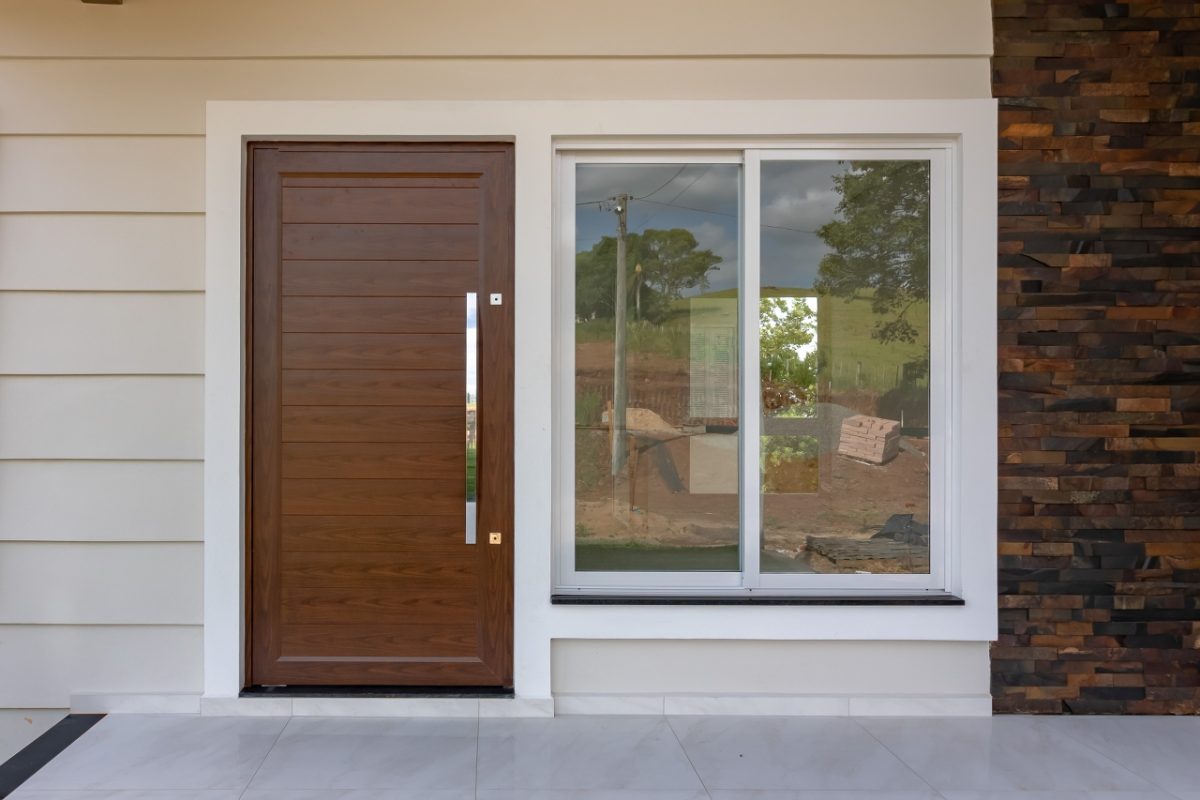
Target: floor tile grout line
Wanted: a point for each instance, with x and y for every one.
(1044, 722)
(266, 755)
(936, 791)
(478, 730)
(687, 755)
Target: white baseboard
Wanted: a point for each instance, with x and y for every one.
(489, 707)
(562, 704)
(122, 703)
(777, 705)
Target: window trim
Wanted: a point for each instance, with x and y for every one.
(945, 317)
(537, 127)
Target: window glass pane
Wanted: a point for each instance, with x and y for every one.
(844, 338)
(656, 367)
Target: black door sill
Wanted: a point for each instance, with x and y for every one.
(377, 691)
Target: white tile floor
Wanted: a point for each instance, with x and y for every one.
(638, 758)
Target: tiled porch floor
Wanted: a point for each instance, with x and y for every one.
(645, 758)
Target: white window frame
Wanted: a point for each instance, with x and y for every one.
(945, 320)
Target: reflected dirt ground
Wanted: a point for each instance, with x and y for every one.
(675, 507)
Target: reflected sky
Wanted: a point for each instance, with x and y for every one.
(702, 198)
(472, 346)
(798, 197)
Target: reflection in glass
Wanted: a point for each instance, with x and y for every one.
(656, 367)
(472, 376)
(844, 338)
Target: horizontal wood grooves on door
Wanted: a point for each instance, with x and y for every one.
(373, 315)
(380, 242)
(320, 605)
(396, 351)
(428, 181)
(354, 570)
(370, 639)
(380, 278)
(371, 534)
(433, 205)
(432, 460)
(361, 256)
(373, 387)
(349, 423)
(361, 496)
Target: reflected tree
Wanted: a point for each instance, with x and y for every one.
(671, 264)
(880, 242)
(789, 375)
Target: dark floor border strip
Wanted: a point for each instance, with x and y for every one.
(377, 691)
(43, 749)
(753, 600)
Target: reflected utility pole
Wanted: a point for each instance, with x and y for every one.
(637, 291)
(620, 206)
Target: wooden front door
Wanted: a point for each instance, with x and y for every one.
(370, 420)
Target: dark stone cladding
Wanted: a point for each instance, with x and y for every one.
(1099, 360)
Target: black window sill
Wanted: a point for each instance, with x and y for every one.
(581, 599)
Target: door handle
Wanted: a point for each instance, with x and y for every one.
(472, 416)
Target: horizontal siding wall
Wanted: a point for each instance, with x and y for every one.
(101, 252)
(110, 501)
(129, 333)
(102, 115)
(145, 174)
(128, 583)
(142, 418)
(44, 664)
(101, 410)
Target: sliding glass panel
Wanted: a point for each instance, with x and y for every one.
(656, 367)
(844, 363)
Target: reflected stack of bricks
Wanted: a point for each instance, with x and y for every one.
(1099, 281)
(870, 439)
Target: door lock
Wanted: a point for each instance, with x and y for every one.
(494, 538)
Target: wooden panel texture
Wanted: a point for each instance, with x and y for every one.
(361, 258)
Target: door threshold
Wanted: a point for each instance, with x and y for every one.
(378, 691)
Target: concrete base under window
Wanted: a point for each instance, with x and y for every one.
(979, 705)
(798, 669)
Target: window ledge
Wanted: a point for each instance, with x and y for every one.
(929, 599)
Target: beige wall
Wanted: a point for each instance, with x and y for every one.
(101, 225)
(714, 667)
(317, 28)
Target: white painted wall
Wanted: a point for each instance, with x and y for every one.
(102, 163)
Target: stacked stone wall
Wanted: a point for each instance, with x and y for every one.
(1099, 361)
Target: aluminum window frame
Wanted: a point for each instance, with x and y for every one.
(945, 357)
